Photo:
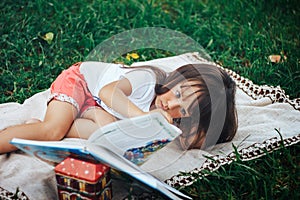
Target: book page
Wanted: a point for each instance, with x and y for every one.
(118, 162)
(135, 132)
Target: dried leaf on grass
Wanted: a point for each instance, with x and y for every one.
(48, 37)
(277, 58)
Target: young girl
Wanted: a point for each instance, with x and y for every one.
(89, 95)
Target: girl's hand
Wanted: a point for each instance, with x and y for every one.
(164, 113)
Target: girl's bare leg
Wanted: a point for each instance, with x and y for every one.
(32, 121)
(91, 120)
(58, 119)
(82, 128)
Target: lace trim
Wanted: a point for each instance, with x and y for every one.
(276, 94)
(64, 98)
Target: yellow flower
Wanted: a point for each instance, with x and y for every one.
(132, 55)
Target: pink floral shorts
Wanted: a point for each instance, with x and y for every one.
(70, 86)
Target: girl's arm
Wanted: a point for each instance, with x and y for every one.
(115, 95)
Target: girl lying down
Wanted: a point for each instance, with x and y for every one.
(198, 98)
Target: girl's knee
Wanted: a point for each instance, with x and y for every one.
(53, 132)
(32, 121)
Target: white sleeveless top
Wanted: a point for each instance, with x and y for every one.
(99, 74)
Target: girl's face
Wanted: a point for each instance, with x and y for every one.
(177, 100)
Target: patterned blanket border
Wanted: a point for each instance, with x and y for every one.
(252, 152)
(6, 195)
(276, 94)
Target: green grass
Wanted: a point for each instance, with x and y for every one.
(274, 176)
(237, 34)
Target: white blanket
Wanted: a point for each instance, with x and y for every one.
(263, 111)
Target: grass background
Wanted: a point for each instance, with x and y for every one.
(239, 35)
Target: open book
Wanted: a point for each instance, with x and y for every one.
(109, 144)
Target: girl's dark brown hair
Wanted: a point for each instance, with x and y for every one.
(213, 114)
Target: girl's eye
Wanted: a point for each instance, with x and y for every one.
(177, 94)
(182, 111)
